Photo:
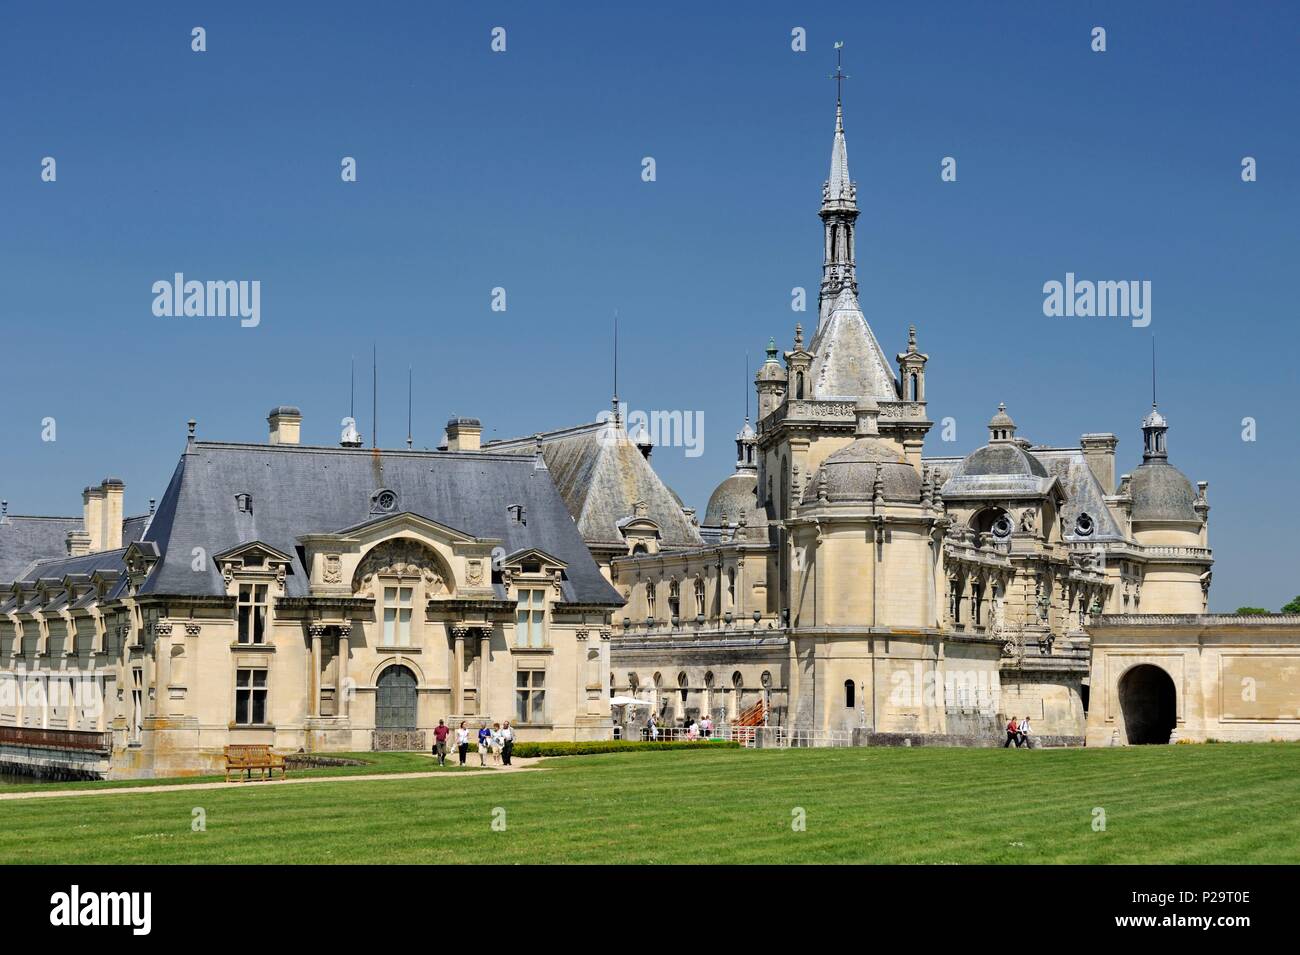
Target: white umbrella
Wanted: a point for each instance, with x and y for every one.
(627, 701)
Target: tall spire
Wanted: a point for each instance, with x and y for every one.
(839, 209)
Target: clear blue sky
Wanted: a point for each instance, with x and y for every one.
(523, 169)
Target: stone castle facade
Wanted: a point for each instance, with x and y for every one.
(843, 584)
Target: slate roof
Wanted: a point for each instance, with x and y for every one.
(24, 540)
(849, 362)
(601, 474)
(1084, 493)
(298, 490)
(59, 567)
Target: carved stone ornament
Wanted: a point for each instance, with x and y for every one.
(474, 572)
(333, 569)
(401, 557)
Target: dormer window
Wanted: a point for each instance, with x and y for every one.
(252, 607)
(383, 501)
(244, 503)
(530, 618)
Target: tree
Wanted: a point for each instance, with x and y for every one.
(1293, 606)
(1252, 611)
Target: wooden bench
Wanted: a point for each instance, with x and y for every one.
(243, 758)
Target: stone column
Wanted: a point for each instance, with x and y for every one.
(344, 689)
(580, 691)
(484, 656)
(458, 671)
(162, 667)
(313, 684)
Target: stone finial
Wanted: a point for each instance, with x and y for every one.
(822, 494)
(911, 338)
(798, 336)
(927, 488)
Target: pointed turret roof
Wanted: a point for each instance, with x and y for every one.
(849, 362)
(839, 186)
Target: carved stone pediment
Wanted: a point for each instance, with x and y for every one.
(401, 557)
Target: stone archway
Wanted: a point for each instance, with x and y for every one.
(1149, 702)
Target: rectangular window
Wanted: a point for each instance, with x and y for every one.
(530, 696)
(650, 599)
(252, 613)
(137, 703)
(397, 616)
(250, 697)
(530, 619)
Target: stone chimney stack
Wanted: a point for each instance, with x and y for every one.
(114, 490)
(286, 423)
(1099, 452)
(92, 517)
(78, 543)
(464, 434)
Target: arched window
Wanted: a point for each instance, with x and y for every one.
(395, 699)
(848, 694)
(798, 384)
(914, 387)
(699, 596)
(674, 599)
(650, 599)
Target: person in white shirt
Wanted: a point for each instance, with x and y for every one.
(507, 742)
(462, 742)
(1024, 733)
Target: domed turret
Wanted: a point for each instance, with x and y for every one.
(869, 469)
(737, 496)
(1160, 491)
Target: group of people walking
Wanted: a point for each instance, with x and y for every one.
(497, 741)
(1018, 732)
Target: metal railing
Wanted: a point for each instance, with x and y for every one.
(80, 740)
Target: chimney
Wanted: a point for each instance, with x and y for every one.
(1099, 452)
(92, 517)
(285, 422)
(113, 490)
(78, 543)
(464, 434)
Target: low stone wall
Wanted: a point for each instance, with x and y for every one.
(40, 762)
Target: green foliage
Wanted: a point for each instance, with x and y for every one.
(1252, 611)
(1293, 606)
(595, 747)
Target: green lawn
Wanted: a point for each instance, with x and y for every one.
(1176, 804)
(375, 764)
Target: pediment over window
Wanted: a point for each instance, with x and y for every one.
(406, 558)
(254, 558)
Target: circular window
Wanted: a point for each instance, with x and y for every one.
(1002, 527)
(385, 501)
(1084, 526)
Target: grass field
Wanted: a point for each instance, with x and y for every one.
(1176, 804)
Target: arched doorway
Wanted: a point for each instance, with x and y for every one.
(1150, 704)
(395, 699)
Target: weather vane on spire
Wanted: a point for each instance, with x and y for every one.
(839, 76)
